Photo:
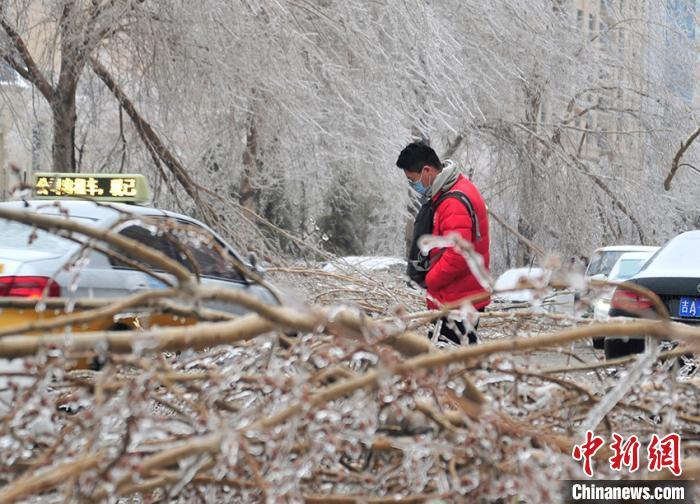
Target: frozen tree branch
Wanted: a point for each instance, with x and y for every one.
(30, 71)
(677, 158)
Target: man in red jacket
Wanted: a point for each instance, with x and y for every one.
(449, 277)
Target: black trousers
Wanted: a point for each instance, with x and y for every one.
(455, 331)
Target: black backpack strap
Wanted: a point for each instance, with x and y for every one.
(418, 263)
(476, 232)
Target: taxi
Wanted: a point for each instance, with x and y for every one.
(37, 266)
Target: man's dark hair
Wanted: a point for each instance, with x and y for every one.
(416, 155)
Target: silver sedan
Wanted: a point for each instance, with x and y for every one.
(36, 263)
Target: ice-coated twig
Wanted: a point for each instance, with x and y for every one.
(626, 382)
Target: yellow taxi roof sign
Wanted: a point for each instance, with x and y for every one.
(121, 187)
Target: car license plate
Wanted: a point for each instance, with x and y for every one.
(689, 307)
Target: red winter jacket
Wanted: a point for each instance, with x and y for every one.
(449, 278)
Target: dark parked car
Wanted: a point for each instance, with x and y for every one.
(673, 274)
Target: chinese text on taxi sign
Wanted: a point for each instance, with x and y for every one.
(89, 187)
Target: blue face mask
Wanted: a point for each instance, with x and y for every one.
(418, 187)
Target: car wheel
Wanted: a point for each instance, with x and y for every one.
(615, 347)
(599, 343)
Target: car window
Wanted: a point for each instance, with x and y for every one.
(150, 238)
(211, 256)
(628, 268)
(16, 235)
(194, 247)
(593, 265)
(603, 262)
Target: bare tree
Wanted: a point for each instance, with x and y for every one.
(71, 31)
(565, 122)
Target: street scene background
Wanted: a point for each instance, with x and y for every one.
(276, 125)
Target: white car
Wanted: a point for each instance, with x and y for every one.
(604, 258)
(553, 301)
(626, 267)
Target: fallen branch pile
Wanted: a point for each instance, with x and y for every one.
(351, 408)
(344, 411)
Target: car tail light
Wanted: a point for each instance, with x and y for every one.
(629, 301)
(28, 287)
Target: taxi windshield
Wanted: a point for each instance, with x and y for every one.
(16, 235)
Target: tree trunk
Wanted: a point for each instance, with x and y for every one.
(250, 166)
(527, 174)
(64, 120)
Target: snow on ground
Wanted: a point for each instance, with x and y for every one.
(367, 263)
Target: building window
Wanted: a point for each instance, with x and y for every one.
(579, 19)
(591, 22)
